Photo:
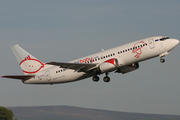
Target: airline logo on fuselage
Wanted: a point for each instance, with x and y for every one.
(87, 60)
(137, 48)
(90, 59)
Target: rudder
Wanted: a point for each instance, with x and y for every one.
(28, 63)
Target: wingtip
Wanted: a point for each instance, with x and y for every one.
(14, 45)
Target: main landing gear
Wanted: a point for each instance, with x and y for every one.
(95, 78)
(105, 79)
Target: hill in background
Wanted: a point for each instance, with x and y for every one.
(76, 113)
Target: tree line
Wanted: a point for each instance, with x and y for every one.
(6, 114)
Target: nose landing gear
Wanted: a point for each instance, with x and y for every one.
(162, 60)
(162, 55)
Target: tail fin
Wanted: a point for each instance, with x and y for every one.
(28, 63)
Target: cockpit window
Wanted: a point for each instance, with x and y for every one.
(164, 38)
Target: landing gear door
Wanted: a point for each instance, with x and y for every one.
(48, 76)
(151, 43)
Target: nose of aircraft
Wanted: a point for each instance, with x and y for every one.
(175, 42)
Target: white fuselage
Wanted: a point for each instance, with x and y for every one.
(125, 54)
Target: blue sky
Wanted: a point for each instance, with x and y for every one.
(60, 30)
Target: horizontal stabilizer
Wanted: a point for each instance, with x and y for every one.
(21, 77)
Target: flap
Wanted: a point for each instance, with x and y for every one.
(81, 67)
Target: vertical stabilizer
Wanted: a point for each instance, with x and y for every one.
(28, 63)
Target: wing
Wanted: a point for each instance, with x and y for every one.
(80, 67)
(21, 77)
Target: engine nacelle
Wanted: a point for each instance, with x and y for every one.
(129, 68)
(108, 66)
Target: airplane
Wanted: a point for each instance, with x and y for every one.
(121, 59)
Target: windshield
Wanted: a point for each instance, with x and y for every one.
(164, 38)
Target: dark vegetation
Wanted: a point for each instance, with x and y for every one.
(6, 114)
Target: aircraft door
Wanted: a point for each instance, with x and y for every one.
(151, 43)
(48, 76)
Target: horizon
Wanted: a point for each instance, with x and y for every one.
(89, 109)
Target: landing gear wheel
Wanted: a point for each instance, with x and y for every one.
(106, 79)
(95, 78)
(162, 60)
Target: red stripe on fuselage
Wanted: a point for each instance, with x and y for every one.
(111, 61)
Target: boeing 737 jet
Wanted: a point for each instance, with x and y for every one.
(121, 59)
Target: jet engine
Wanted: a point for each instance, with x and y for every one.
(128, 68)
(108, 66)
